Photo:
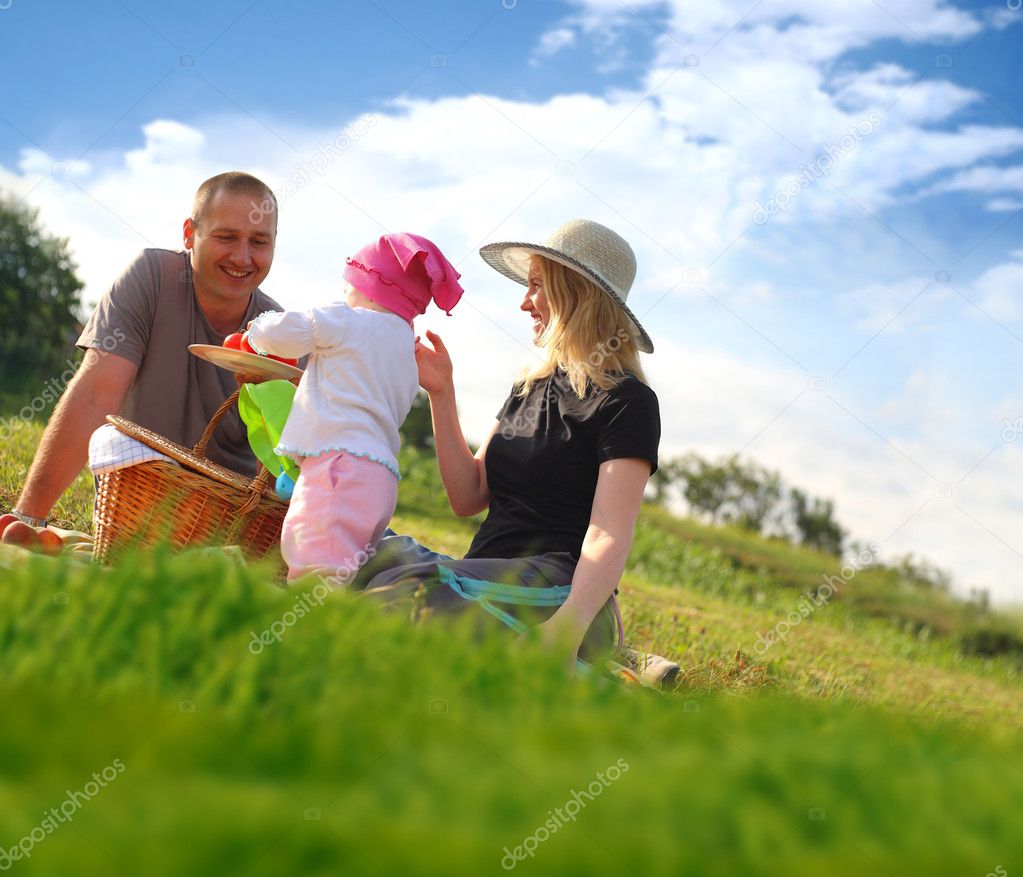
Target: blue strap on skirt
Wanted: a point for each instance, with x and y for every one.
(486, 594)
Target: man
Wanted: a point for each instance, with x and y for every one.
(136, 342)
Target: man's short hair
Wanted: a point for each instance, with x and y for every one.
(235, 183)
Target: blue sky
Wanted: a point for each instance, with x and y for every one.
(305, 62)
(98, 71)
(866, 340)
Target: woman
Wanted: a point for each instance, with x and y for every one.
(564, 467)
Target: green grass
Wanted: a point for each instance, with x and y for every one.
(73, 510)
(429, 749)
(866, 741)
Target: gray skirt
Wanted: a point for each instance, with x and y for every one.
(401, 572)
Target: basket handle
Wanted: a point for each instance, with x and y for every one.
(260, 484)
(199, 449)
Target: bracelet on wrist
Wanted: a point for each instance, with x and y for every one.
(28, 519)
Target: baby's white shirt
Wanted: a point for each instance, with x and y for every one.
(358, 386)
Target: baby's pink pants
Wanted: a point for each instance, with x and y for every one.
(339, 510)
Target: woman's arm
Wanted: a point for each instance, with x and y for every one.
(464, 475)
(605, 549)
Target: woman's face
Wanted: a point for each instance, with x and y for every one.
(535, 303)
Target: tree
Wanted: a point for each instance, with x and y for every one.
(814, 520)
(668, 475)
(921, 574)
(706, 485)
(417, 430)
(38, 299)
(754, 494)
(748, 495)
(730, 490)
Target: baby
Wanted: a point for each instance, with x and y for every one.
(357, 389)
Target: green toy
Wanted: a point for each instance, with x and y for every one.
(264, 410)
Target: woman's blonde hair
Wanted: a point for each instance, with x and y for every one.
(587, 334)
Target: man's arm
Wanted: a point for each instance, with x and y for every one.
(97, 389)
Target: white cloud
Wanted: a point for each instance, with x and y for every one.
(797, 28)
(912, 304)
(36, 162)
(1003, 17)
(552, 42)
(930, 405)
(998, 290)
(987, 178)
(763, 84)
(1004, 205)
(918, 100)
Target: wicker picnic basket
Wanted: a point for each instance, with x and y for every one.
(195, 503)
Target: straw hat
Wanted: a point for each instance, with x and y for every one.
(589, 248)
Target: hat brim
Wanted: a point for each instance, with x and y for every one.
(511, 258)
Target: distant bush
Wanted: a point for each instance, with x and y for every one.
(417, 430)
(992, 640)
(421, 489)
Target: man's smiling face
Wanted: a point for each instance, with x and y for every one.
(232, 248)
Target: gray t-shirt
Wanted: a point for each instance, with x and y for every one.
(150, 316)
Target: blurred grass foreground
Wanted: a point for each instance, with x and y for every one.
(182, 715)
(358, 743)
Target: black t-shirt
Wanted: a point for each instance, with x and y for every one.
(543, 461)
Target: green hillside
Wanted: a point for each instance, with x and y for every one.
(880, 730)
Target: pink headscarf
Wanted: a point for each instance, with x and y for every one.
(404, 272)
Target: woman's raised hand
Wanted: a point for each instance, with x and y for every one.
(434, 363)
